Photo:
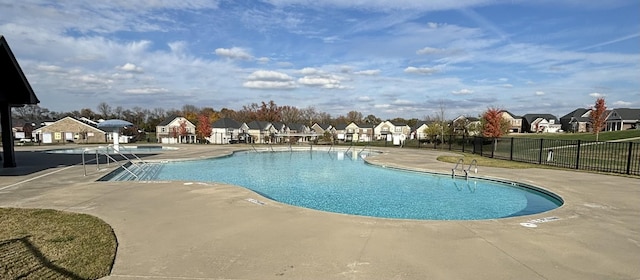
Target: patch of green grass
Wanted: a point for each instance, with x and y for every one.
(604, 136)
(489, 162)
(79, 246)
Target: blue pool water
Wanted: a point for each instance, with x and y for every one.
(338, 182)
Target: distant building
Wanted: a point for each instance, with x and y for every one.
(622, 119)
(68, 130)
(168, 131)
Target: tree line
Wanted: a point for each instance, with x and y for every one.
(147, 119)
(491, 124)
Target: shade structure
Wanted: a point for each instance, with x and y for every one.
(114, 126)
(15, 91)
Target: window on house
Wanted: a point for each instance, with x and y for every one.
(163, 129)
(398, 129)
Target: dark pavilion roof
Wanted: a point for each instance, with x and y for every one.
(15, 89)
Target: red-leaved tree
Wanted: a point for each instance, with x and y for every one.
(203, 129)
(182, 130)
(598, 116)
(494, 125)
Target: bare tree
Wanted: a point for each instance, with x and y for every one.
(354, 116)
(31, 112)
(104, 110)
(290, 114)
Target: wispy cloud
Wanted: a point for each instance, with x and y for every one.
(234, 53)
(606, 43)
(420, 70)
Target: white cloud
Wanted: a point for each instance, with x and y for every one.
(49, 68)
(309, 71)
(463, 91)
(385, 5)
(432, 25)
(120, 76)
(402, 102)
(424, 70)
(269, 84)
(539, 93)
(265, 79)
(375, 72)
(364, 98)
(263, 60)
(266, 75)
(146, 91)
(327, 81)
(597, 95)
(621, 103)
(429, 50)
(507, 85)
(92, 79)
(130, 67)
(234, 53)
(177, 46)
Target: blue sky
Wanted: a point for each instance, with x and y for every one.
(402, 58)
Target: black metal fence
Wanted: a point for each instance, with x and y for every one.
(614, 157)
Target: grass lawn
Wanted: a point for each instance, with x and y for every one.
(490, 162)
(46, 244)
(604, 136)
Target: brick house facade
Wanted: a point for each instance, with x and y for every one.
(69, 130)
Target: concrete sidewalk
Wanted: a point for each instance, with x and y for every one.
(192, 230)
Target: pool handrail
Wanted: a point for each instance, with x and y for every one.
(108, 157)
(459, 163)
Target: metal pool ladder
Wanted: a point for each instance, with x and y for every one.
(460, 163)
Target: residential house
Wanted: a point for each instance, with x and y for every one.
(390, 131)
(226, 131)
(260, 132)
(280, 129)
(539, 123)
(302, 132)
(576, 121)
(169, 131)
(623, 119)
(354, 132)
(341, 133)
(366, 132)
(320, 129)
(419, 131)
(463, 125)
(515, 122)
(68, 130)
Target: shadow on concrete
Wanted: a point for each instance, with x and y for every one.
(29, 162)
(21, 259)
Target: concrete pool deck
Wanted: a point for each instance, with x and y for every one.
(192, 230)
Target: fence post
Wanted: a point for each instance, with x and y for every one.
(578, 156)
(464, 141)
(540, 154)
(511, 150)
(493, 146)
(629, 158)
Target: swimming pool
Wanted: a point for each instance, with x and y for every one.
(343, 183)
(123, 149)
